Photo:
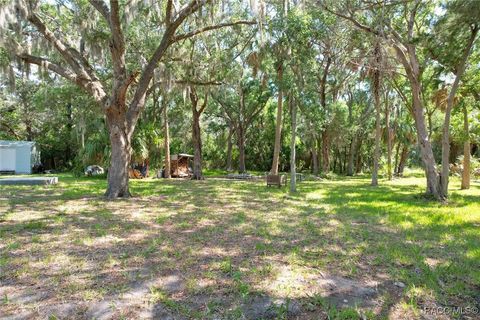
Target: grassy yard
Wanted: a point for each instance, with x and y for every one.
(219, 249)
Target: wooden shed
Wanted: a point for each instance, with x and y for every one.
(180, 165)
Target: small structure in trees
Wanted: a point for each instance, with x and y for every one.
(180, 165)
(18, 157)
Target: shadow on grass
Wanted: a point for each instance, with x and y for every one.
(209, 249)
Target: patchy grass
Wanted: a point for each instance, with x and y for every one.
(337, 249)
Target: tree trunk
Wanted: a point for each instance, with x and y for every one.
(278, 125)
(426, 152)
(376, 153)
(358, 160)
(314, 159)
(466, 151)
(241, 149)
(69, 126)
(410, 62)
(325, 152)
(197, 145)
(446, 125)
(351, 156)
(293, 180)
(403, 160)
(376, 96)
(229, 148)
(121, 152)
(166, 171)
(389, 138)
(397, 155)
(319, 152)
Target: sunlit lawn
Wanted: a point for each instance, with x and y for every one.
(233, 249)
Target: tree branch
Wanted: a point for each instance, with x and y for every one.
(168, 13)
(42, 62)
(10, 129)
(69, 54)
(351, 19)
(138, 100)
(101, 7)
(209, 28)
(93, 87)
(117, 47)
(205, 100)
(186, 82)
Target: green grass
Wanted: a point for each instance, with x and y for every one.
(237, 240)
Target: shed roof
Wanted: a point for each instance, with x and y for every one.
(180, 155)
(11, 143)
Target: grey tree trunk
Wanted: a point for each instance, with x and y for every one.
(278, 125)
(325, 152)
(197, 145)
(229, 148)
(121, 151)
(358, 157)
(351, 156)
(446, 125)
(426, 152)
(466, 151)
(314, 159)
(376, 96)
(241, 149)
(293, 172)
(403, 161)
(397, 155)
(389, 137)
(167, 173)
(406, 53)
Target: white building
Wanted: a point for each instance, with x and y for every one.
(18, 157)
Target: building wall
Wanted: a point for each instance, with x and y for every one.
(25, 155)
(24, 159)
(7, 158)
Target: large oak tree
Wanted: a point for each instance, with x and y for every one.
(116, 81)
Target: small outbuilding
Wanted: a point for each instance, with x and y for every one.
(180, 165)
(18, 157)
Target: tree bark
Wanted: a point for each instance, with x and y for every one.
(389, 137)
(466, 151)
(196, 133)
(229, 148)
(408, 57)
(323, 103)
(166, 171)
(426, 152)
(314, 159)
(351, 156)
(121, 152)
(397, 155)
(197, 145)
(68, 149)
(325, 152)
(358, 160)
(376, 96)
(318, 149)
(403, 160)
(241, 149)
(460, 69)
(278, 125)
(293, 172)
